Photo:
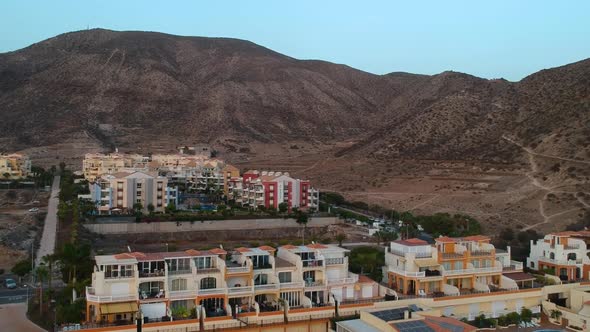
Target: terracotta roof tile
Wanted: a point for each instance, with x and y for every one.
(317, 246)
(243, 249)
(289, 246)
(267, 248)
(218, 251)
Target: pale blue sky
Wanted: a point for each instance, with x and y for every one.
(495, 38)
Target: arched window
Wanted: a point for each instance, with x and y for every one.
(208, 283)
(571, 256)
(552, 255)
(532, 265)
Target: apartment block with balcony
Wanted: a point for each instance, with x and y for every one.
(323, 269)
(271, 189)
(451, 266)
(14, 166)
(562, 254)
(245, 282)
(96, 165)
(119, 192)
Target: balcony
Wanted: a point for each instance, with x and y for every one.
(117, 275)
(151, 295)
(493, 269)
(91, 296)
(152, 274)
(238, 269)
(179, 272)
(335, 261)
(560, 261)
(207, 270)
(480, 253)
(343, 281)
(514, 266)
(184, 294)
(262, 266)
(244, 290)
(314, 284)
(452, 255)
(212, 291)
(266, 287)
(402, 253)
(415, 274)
(313, 263)
(296, 284)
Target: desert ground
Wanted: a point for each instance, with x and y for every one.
(19, 227)
(540, 192)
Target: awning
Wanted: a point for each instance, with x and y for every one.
(117, 308)
(426, 262)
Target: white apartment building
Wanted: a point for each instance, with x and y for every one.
(451, 267)
(562, 254)
(215, 283)
(119, 192)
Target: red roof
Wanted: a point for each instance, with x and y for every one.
(242, 249)
(445, 239)
(435, 324)
(218, 251)
(476, 238)
(412, 242)
(267, 248)
(289, 246)
(365, 279)
(317, 246)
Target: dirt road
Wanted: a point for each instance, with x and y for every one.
(47, 246)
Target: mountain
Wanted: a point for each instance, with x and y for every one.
(152, 90)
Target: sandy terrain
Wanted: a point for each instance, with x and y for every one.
(18, 227)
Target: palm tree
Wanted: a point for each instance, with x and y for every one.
(49, 260)
(41, 274)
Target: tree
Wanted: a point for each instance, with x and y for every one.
(41, 274)
(340, 237)
(21, 268)
(283, 207)
(302, 218)
(170, 208)
(151, 208)
(137, 207)
(526, 315)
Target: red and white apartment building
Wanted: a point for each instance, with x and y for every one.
(269, 189)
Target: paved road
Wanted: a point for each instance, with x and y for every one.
(47, 246)
(13, 295)
(13, 318)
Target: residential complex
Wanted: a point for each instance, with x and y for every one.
(247, 281)
(122, 191)
(451, 266)
(270, 189)
(562, 254)
(14, 166)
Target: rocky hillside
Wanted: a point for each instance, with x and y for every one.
(137, 88)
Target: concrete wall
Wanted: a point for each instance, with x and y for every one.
(208, 225)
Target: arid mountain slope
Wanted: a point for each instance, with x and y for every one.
(139, 89)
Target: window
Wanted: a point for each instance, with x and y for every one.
(138, 193)
(204, 263)
(284, 277)
(120, 185)
(551, 255)
(179, 284)
(139, 186)
(208, 283)
(309, 276)
(160, 185)
(261, 279)
(119, 202)
(532, 265)
(138, 200)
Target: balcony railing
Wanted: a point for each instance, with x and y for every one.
(211, 291)
(263, 266)
(497, 268)
(183, 294)
(481, 252)
(315, 283)
(266, 287)
(342, 281)
(177, 272)
(116, 275)
(560, 261)
(313, 263)
(207, 270)
(334, 261)
(402, 253)
(240, 290)
(238, 269)
(296, 284)
(416, 274)
(91, 296)
(450, 255)
(514, 266)
(157, 273)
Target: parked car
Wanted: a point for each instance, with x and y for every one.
(10, 283)
(34, 210)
